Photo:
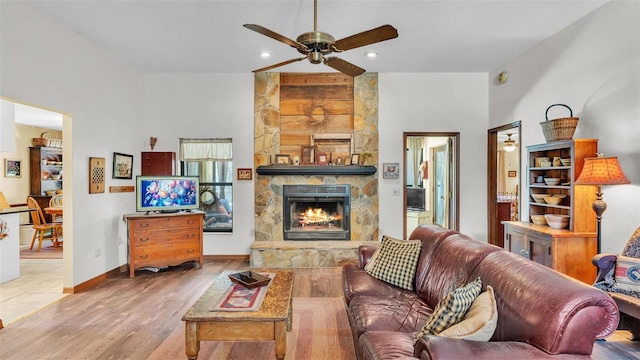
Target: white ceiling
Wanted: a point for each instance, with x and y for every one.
(207, 35)
(194, 36)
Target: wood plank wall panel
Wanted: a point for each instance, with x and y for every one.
(312, 104)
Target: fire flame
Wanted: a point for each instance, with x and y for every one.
(316, 216)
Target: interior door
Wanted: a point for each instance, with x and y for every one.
(440, 186)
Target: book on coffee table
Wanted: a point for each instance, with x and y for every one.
(249, 279)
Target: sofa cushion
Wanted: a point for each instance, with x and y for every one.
(479, 323)
(405, 313)
(356, 282)
(395, 261)
(627, 273)
(452, 308)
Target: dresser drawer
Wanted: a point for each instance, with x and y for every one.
(158, 237)
(166, 223)
(167, 252)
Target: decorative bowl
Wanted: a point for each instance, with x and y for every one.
(556, 221)
(566, 162)
(552, 200)
(50, 192)
(552, 181)
(539, 198)
(539, 219)
(56, 177)
(58, 191)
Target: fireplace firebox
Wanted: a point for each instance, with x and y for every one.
(316, 212)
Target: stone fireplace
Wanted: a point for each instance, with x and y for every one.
(271, 247)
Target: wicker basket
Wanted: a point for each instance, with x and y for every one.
(561, 128)
(42, 141)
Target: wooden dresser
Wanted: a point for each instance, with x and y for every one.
(164, 239)
(565, 251)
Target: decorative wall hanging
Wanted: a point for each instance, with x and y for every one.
(96, 175)
(122, 166)
(245, 174)
(12, 168)
(391, 170)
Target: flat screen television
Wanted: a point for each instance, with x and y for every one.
(415, 199)
(167, 193)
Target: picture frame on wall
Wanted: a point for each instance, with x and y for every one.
(245, 174)
(283, 159)
(12, 168)
(391, 170)
(122, 166)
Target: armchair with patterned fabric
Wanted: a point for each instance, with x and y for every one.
(619, 276)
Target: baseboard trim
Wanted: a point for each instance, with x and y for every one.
(95, 281)
(227, 257)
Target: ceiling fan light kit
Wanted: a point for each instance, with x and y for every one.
(317, 44)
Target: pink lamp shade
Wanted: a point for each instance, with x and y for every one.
(601, 171)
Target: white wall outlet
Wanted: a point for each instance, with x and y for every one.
(396, 192)
(97, 252)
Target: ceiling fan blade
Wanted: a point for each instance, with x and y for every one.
(343, 66)
(279, 64)
(382, 33)
(266, 32)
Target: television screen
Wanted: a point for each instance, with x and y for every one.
(167, 193)
(415, 199)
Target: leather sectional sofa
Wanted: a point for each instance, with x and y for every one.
(542, 314)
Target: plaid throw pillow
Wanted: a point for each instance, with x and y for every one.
(627, 273)
(395, 261)
(451, 308)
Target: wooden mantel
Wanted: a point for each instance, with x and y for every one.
(316, 170)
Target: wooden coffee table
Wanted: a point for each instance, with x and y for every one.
(270, 322)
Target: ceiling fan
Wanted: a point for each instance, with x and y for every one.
(317, 45)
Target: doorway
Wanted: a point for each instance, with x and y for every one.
(503, 179)
(431, 178)
(48, 274)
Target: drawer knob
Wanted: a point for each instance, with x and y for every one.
(144, 239)
(190, 251)
(144, 225)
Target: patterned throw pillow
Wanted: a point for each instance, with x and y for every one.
(627, 273)
(395, 261)
(480, 321)
(451, 308)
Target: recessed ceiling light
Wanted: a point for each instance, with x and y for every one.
(265, 54)
(371, 54)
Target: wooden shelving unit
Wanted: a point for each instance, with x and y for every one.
(566, 250)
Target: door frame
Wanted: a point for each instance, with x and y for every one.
(454, 199)
(492, 169)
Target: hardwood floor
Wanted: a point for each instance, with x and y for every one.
(127, 318)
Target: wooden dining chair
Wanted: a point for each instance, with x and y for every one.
(43, 230)
(56, 200)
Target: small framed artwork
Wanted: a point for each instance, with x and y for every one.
(355, 159)
(391, 170)
(122, 166)
(322, 158)
(512, 173)
(307, 155)
(283, 159)
(12, 168)
(245, 174)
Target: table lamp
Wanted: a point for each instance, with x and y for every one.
(601, 171)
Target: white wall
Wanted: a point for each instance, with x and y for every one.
(594, 67)
(45, 64)
(435, 103)
(208, 106)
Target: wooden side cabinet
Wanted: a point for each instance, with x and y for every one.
(158, 163)
(567, 252)
(164, 239)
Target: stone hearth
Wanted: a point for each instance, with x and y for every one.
(269, 249)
